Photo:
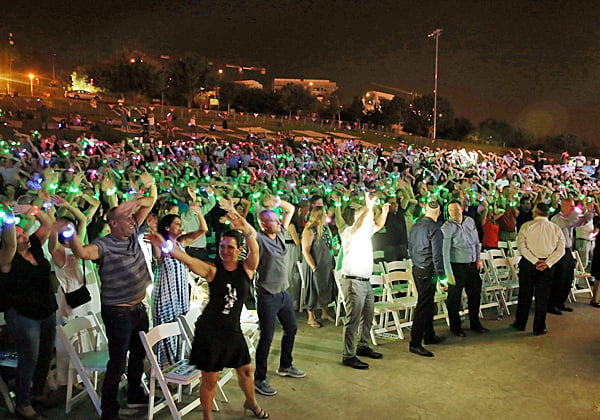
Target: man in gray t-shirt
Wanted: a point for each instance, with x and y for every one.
(124, 277)
(272, 299)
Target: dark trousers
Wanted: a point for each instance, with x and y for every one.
(423, 318)
(533, 282)
(466, 277)
(34, 341)
(270, 307)
(123, 323)
(563, 280)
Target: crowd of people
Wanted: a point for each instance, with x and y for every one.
(117, 218)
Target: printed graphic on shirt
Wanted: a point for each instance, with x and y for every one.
(230, 299)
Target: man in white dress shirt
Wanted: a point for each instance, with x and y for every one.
(542, 245)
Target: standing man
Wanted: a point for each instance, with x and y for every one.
(569, 218)
(124, 277)
(272, 299)
(426, 242)
(461, 250)
(357, 267)
(542, 244)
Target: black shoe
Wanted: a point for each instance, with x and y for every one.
(518, 327)
(554, 311)
(354, 363)
(565, 308)
(544, 331)
(420, 350)
(480, 329)
(368, 352)
(436, 339)
(459, 333)
(595, 304)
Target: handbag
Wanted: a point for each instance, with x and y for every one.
(79, 296)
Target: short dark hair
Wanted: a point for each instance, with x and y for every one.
(543, 209)
(235, 234)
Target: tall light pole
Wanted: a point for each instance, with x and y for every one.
(31, 77)
(435, 34)
(11, 44)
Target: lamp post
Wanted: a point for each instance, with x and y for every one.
(31, 77)
(435, 34)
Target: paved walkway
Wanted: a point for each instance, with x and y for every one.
(501, 375)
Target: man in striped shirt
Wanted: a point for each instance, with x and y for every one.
(124, 277)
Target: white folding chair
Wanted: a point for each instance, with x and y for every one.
(303, 286)
(503, 272)
(87, 353)
(186, 325)
(149, 340)
(337, 274)
(492, 293)
(582, 278)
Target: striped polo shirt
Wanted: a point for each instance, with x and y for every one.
(123, 270)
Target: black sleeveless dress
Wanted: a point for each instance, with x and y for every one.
(218, 340)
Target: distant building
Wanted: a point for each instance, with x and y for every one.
(320, 88)
(249, 84)
(372, 99)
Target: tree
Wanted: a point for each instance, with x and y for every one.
(461, 128)
(294, 97)
(187, 77)
(392, 111)
(418, 115)
(355, 111)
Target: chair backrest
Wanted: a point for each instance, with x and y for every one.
(503, 268)
(83, 334)
(397, 283)
(496, 253)
(378, 256)
(399, 265)
(162, 331)
(186, 326)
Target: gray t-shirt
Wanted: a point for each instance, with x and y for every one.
(272, 267)
(123, 270)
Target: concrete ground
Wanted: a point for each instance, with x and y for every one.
(505, 374)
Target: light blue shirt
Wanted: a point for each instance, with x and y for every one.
(461, 243)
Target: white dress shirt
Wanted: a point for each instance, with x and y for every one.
(541, 239)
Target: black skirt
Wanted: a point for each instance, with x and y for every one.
(214, 349)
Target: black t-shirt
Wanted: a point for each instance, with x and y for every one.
(28, 288)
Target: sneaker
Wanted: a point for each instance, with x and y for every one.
(292, 372)
(264, 388)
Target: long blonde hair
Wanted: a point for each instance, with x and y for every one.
(316, 220)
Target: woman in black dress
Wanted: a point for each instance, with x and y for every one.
(219, 341)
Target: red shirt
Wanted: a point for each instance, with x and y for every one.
(490, 234)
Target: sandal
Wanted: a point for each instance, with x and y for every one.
(313, 323)
(595, 304)
(258, 412)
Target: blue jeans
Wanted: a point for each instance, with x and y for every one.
(35, 342)
(268, 308)
(123, 323)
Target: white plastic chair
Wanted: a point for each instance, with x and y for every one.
(582, 278)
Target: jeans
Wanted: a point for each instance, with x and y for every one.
(34, 341)
(359, 303)
(123, 323)
(268, 308)
(423, 320)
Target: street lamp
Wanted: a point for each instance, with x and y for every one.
(31, 77)
(435, 34)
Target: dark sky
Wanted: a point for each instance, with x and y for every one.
(533, 63)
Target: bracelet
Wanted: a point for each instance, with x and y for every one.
(69, 232)
(9, 219)
(111, 191)
(167, 247)
(35, 211)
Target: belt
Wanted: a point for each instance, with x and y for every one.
(355, 278)
(135, 307)
(290, 241)
(195, 247)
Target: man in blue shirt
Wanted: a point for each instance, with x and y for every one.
(461, 250)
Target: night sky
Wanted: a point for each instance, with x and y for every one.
(532, 63)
